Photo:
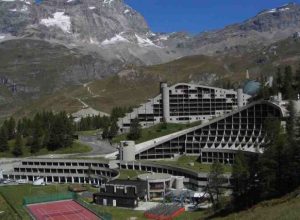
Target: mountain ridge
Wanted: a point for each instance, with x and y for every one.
(99, 38)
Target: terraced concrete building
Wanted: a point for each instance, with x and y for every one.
(182, 103)
(241, 129)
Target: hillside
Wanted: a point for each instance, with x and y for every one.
(56, 45)
(59, 44)
(287, 207)
(135, 85)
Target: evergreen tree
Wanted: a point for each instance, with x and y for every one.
(273, 161)
(297, 80)
(18, 148)
(37, 135)
(278, 81)
(3, 139)
(11, 126)
(113, 131)
(216, 180)
(135, 130)
(118, 112)
(288, 90)
(240, 175)
(105, 132)
(61, 133)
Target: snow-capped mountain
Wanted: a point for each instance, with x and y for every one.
(111, 28)
(101, 37)
(116, 31)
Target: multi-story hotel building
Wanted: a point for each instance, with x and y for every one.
(182, 103)
(242, 129)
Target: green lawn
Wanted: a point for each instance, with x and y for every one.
(88, 133)
(132, 174)
(15, 194)
(126, 214)
(76, 148)
(190, 162)
(119, 213)
(6, 212)
(156, 131)
(197, 215)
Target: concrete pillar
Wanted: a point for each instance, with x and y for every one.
(52, 179)
(79, 179)
(270, 81)
(72, 179)
(279, 97)
(59, 179)
(148, 189)
(240, 97)
(166, 101)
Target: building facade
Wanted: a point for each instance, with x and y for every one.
(122, 193)
(63, 171)
(182, 103)
(221, 138)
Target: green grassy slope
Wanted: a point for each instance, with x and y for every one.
(285, 208)
(41, 67)
(156, 131)
(75, 148)
(137, 84)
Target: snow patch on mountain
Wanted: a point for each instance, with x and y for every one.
(108, 2)
(59, 20)
(279, 9)
(26, 2)
(23, 9)
(145, 41)
(116, 39)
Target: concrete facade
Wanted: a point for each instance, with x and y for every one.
(63, 171)
(242, 129)
(127, 151)
(183, 103)
(76, 171)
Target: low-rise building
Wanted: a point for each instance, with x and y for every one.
(122, 193)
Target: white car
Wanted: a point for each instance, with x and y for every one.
(6, 181)
(22, 181)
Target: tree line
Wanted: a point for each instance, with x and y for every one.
(44, 130)
(286, 81)
(55, 131)
(109, 125)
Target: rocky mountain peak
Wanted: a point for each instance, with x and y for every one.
(76, 20)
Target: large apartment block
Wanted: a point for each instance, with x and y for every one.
(182, 103)
(219, 139)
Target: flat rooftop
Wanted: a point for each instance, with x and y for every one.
(154, 176)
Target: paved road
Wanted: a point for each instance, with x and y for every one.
(99, 147)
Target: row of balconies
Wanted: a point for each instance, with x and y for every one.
(68, 164)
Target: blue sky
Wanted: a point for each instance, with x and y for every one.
(195, 16)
